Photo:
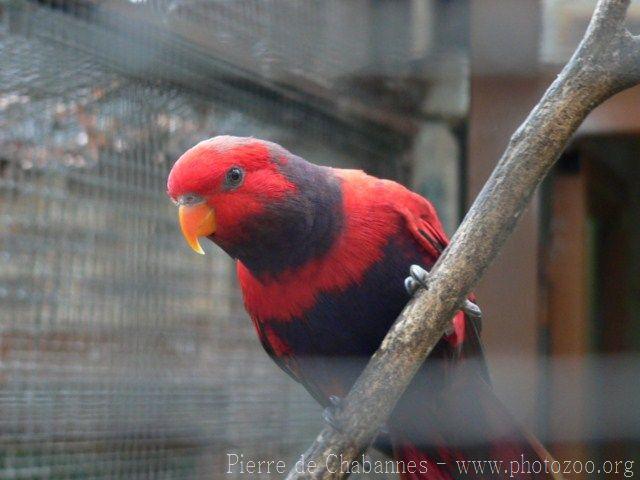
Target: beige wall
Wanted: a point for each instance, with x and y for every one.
(618, 115)
(504, 87)
(508, 292)
(507, 81)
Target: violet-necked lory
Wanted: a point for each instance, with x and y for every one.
(322, 256)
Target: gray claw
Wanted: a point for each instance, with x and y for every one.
(410, 285)
(329, 413)
(471, 309)
(418, 277)
(330, 419)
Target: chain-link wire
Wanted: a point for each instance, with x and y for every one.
(122, 354)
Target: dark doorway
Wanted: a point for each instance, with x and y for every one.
(591, 278)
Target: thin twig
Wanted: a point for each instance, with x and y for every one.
(606, 62)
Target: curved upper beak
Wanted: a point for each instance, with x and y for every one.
(196, 221)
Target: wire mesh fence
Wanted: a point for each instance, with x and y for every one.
(122, 354)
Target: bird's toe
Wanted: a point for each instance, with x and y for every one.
(418, 277)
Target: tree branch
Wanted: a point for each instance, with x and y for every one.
(606, 62)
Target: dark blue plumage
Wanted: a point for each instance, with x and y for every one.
(294, 229)
(322, 258)
(340, 332)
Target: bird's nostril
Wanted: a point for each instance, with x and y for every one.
(189, 199)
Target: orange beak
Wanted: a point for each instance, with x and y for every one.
(196, 221)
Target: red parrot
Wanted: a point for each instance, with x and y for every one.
(322, 256)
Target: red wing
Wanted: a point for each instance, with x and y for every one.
(423, 223)
(420, 215)
(422, 220)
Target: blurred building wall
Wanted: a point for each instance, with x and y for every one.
(544, 327)
(504, 87)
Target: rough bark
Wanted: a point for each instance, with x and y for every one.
(606, 62)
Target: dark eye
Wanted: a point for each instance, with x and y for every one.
(234, 177)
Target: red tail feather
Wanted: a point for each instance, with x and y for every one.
(470, 436)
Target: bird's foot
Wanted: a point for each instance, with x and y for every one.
(419, 277)
(329, 413)
(471, 309)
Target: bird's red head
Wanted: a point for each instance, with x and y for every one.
(222, 181)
